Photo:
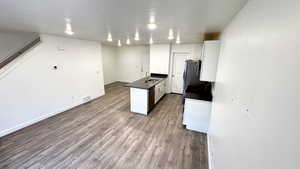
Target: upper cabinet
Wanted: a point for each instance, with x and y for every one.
(211, 52)
(159, 58)
(194, 50)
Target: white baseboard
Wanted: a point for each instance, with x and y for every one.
(26, 124)
(110, 83)
(38, 119)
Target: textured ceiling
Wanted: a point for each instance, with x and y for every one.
(92, 19)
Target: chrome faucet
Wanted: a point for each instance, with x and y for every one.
(146, 78)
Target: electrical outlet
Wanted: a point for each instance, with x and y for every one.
(247, 113)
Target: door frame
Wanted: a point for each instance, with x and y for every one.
(172, 65)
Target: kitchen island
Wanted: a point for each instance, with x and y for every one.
(145, 93)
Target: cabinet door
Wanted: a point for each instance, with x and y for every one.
(163, 86)
(197, 114)
(139, 100)
(211, 51)
(159, 58)
(159, 91)
(156, 94)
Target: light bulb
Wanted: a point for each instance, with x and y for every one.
(171, 34)
(151, 40)
(119, 43)
(137, 36)
(128, 41)
(178, 39)
(152, 19)
(109, 38)
(152, 26)
(68, 29)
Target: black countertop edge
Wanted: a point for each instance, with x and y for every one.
(199, 96)
(158, 75)
(141, 84)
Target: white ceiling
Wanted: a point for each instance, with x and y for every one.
(92, 19)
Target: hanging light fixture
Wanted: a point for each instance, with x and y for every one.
(136, 36)
(119, 43)
(109, 38)
(151, 40)
(128, 41)
(68, 29)
(152, 25)
(178, 39)
(171, 34)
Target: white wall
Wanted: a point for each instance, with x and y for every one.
(110, 69)
(255, 119)
(11, 42)
(33, 90)
(132, 62)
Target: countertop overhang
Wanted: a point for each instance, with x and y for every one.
(142, 84)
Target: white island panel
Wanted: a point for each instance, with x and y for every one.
(139, 100)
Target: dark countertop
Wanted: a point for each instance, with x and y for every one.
(199, 96)
(199, 92)
(141, 84)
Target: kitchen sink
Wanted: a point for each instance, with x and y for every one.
(150, 80)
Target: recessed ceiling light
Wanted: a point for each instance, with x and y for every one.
(178, 39)
(109, 38)
(119, 43)
(68, 29)
(128, 41)
(137, 36)
(171, 34)
(151, 40)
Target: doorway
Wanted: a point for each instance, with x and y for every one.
(177, 72)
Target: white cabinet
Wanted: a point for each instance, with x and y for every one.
(139, 100)
(196, 114)
(159, 58)
(160, 91)
(211, 52)
(194, 51)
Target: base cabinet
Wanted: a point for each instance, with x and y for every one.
(139, 100)
(196, 114)
(143, 100)
(160, 90)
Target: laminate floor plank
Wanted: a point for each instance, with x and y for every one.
(104, 134)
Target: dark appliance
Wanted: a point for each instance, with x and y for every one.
(192, 86)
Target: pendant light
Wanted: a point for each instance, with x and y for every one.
(171, 34)
(128, 41)
(119, 43)
(109, 38)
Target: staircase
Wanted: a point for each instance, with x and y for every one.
(14, 44)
